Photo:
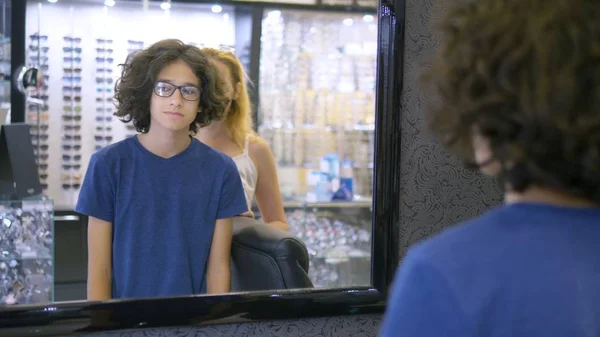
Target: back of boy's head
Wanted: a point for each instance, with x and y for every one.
(526, 74)
(134, 89)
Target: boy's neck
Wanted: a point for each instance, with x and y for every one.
(163, 143)
(547, 196)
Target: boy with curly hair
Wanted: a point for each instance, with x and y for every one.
(160, 203)
(520, 85)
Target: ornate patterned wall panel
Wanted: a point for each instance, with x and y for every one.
(436, 191)
(345, 326)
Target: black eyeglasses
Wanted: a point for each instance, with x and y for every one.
(72, 39)
(72, 127)
(36, 37)
(72, 70)
(71, 137)
(100, 138)
(68, 147)
(43, 127)
(104, 50)
(71, 89)
(166, 89)
(71, 49)
(68, 59)
(68, 118)
(104, 80)
(36, 48)
(103, 118)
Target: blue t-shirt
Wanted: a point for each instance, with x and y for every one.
(163, 213)
(522, 270)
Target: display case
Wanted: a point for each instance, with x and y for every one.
(26, 251)
(337, 236)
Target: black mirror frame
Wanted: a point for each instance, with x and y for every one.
(66, 318)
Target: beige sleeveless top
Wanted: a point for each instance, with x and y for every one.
(248, 173)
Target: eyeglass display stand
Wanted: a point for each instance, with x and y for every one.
(26, 221)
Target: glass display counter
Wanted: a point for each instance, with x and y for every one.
(26, 251)
(337, 236)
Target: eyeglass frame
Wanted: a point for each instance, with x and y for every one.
(177, 87)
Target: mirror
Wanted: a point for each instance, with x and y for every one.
(311, 81)
(28, 80)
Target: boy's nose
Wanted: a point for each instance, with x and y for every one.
(177, 98)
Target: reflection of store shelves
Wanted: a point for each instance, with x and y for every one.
(336, 272)
(358, 6)
(342, 254)
(343, 204)
(317, 95)
(294, 2)
(337, 236)
(23, 256)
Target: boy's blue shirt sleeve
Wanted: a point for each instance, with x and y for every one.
(232, 200)
(422, 303)
(97, 197)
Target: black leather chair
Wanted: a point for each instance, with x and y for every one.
(266, 258)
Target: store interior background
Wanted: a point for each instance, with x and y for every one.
(314, 94)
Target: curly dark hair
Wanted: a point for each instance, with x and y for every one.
(526, 75)
(134, 89)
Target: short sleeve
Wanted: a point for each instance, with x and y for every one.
(232, 200)
(422, 304)
(97, 197)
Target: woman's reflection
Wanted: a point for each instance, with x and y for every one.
(233, 135)
(160, 203)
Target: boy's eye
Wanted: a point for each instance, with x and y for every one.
(189, 90)
(164, 87)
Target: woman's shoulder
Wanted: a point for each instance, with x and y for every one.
(257, 146)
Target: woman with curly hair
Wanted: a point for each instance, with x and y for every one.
(520, 86)
(160, 203)
(234, 136)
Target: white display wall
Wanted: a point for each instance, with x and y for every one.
(79, 45)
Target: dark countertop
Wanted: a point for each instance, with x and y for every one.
(65, 318)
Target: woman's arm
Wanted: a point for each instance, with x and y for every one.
(218, 272)
(99, 280)
(268, 196)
